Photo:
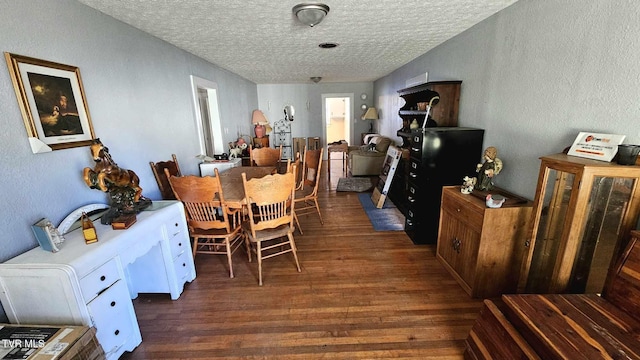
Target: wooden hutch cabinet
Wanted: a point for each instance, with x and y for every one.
(482, 247)
(445, 112)
(412, 173)
(583, 211)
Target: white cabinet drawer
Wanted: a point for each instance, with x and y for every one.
(113, 301)
(113, 316)
(179, 245)
(176, 227)
(99, 279)
(182, 267)
(114, 335)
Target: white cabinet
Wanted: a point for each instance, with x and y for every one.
(206, 168)
(93, 284)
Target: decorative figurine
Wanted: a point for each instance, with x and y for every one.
(495, 201)
(489, 169)
(468, 184)
(88, 230)
(122, 185)
(238, 148)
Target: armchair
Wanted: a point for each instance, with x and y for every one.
(367, 160)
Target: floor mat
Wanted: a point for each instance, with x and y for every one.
(355, 184)
(389, 218)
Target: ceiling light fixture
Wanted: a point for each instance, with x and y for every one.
(310, 14)
(316, 79)
(327, 45)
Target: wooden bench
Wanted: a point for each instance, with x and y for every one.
(565, 326)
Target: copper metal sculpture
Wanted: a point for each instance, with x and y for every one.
(122, 185)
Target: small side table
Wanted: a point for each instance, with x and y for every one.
(343, 148)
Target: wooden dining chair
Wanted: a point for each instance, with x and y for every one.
(306, 197)
(269, 227)
(295, 167)
(299, 160)
(297, 163)
(265, 156)
(162, 180)
(214, 227)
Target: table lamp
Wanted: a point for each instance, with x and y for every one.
(371, 114)
(260, 122)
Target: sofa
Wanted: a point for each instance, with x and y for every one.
(367, 160)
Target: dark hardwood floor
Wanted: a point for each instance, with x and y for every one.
(361, 294)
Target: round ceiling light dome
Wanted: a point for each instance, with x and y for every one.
(310, 14)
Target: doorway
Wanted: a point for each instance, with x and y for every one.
(207, 114)
(337, 115)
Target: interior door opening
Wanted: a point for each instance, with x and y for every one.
(337, 115)
(207, 114)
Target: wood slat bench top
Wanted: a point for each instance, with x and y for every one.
(622, 287)
(566, 326)
(574, 326)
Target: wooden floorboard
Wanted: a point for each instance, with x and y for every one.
(361, 294)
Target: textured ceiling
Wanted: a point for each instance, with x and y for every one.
(262, 41)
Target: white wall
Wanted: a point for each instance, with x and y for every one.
(534, 75)
(308, 120)
(139, 96)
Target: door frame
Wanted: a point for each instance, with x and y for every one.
(348, 129)
(214, 115)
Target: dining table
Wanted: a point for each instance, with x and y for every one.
(232, 186)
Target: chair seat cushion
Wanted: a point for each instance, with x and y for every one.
(266, 234)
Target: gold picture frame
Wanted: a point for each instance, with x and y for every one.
(52, 102)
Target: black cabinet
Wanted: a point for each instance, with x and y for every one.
(437, 157)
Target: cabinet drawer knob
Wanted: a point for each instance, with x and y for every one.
(117, 332)
(456, 244)
(176, 224)
(413, 175)
(113, 303)
(184, 265)
(458, 210)
(179, 244)
(409, 222)
(411, 199)
(103, 278)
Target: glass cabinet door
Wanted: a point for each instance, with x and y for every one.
(557, 194)
(608, 202)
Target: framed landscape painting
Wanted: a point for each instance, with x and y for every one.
(52, 101)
